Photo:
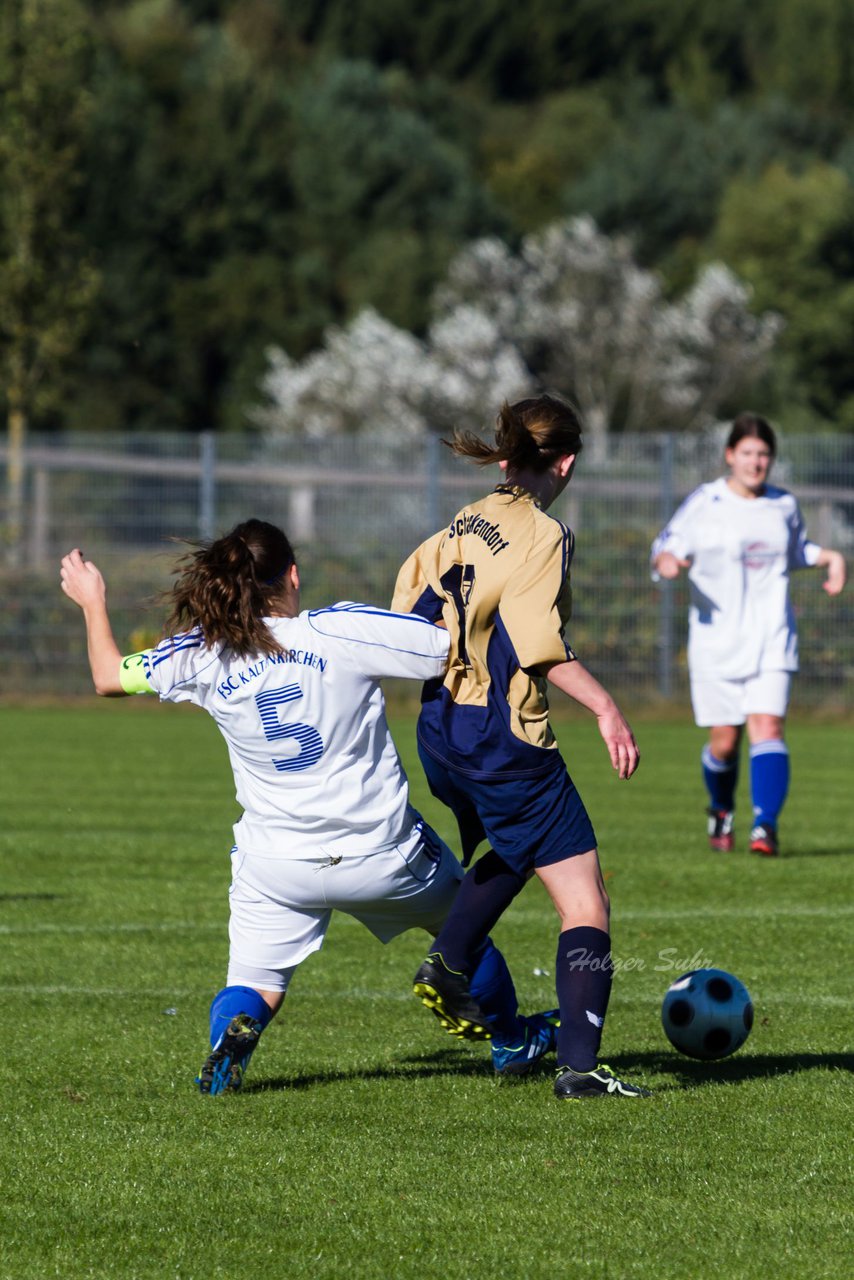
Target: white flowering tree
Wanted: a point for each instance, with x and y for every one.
(722, 347)
(374, 377)
(370, 373)
(571, 311)
(589, 322)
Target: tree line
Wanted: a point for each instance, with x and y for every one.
(186, 185)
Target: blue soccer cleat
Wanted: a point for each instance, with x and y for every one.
(517, 1057)
(225, 1066)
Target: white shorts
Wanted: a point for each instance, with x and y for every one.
(280, 908)
(732, 701)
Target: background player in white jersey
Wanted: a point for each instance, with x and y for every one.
(498, 578)
(739, 538)
(327, 822)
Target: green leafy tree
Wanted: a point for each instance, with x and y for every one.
(508, 51)
(47, 283)
(382, 199)
(189, 199)
(665, 172)
(802, 50)
(237, 205)
(660, 180)
(790, 236)
(533, 152)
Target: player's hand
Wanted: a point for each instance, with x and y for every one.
(620, 741)
(836, 573)
(669, 566)
(82, 581)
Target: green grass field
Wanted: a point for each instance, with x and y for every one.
(366, 1143)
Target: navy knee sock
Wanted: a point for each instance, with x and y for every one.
(583, 974)
(720, 777)
(229, 1002)
(485, 893)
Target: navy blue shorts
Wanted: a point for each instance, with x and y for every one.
(530, 822)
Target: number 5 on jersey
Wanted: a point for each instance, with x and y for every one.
(307, 739)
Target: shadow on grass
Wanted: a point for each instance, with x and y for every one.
(635, 1066)
(30, 897)
(827, 851)
(443, 1062)
(743, 1066)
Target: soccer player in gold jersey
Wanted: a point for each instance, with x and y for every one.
(498, 579)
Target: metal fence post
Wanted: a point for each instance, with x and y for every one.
(665, 599)
(207, 485)
(40, 519)
(302, 516)
(432, 454)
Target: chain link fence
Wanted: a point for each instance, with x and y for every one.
(354, 509)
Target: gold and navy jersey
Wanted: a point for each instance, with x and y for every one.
(498, 578)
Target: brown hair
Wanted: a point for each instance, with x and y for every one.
(227, 586)
(528, 434)
(751, 425)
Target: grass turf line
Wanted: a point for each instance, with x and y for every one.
(366, 1142)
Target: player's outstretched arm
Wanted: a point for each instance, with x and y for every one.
(837, 572)
(573, 679)
(82, 582)
(669, 566)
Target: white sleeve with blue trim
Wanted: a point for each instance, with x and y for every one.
(172, 667)
(679, 534)
(803, 553)
(379, 643)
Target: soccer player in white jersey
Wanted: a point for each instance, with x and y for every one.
(327, 822)
(740, 537)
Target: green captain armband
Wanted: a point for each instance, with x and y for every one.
(132, 674)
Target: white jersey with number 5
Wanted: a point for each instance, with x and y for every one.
(742, 552)
(314, 764)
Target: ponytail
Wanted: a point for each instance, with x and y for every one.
(228, 586)
(529, 435)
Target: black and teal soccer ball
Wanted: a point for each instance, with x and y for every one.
(707, 1014)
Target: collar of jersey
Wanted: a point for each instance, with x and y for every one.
(516, 491)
